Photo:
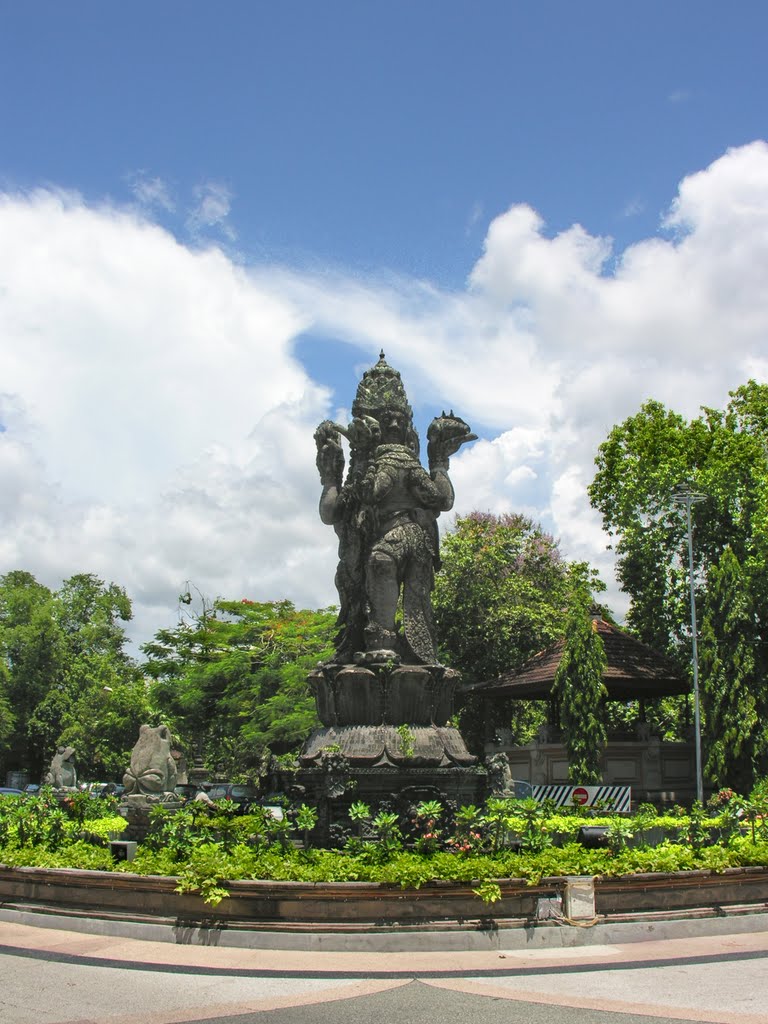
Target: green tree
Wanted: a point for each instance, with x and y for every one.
(32, 655)
(722, 453)
(232, 679)
(7, 719)
(499, 595)
(90, 613)
(734, 696)
(62, 654)
(499, 599)
(639, 465)
(102, 723)
(579, 691)
(98, 679)
(177, 662)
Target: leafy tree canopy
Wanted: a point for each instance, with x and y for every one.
(231, 680)
(722, 454)
(500, 593)
(733, 672)
(502, 596)
(65, 675)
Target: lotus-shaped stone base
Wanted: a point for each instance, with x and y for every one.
(386, 715)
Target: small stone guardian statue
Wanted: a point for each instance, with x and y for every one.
(62, 773)
(152, 773)
(501, 785)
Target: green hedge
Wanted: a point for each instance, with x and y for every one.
(206, 847)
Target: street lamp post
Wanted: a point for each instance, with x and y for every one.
(684, 495)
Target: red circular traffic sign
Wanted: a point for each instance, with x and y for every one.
(579, 795)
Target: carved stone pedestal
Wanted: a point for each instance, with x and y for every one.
(386, 716)
(386, 737)
(64, 793)
(136, 811)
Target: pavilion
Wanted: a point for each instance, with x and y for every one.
(656, 769)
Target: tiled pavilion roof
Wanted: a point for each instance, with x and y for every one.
(634, 671)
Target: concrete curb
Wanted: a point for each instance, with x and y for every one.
(542, 935)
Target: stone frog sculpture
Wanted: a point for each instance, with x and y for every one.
(153, 771)
(62, 773)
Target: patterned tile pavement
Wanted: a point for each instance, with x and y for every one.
(51, 976)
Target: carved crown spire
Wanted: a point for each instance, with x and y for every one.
(380, 389)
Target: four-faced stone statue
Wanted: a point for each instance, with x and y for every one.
(385, 514)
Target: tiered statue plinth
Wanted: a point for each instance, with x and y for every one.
(386, 716)
(386, 737)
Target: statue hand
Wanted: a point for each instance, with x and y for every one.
(330, 457)
(364, 433)
(446, 434)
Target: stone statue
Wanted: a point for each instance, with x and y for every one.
(500, 782)
(62, 774)
(385, 515)
(153, 770)
(384, 703)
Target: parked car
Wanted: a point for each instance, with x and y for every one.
(523, 790)
(242, 795)
(10, 791)
(104, 788)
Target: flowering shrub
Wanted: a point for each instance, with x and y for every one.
(425, 822)
(44, 822)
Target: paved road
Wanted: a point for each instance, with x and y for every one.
(48, 976)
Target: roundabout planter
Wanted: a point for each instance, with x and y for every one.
(332, 906)
(362, 915)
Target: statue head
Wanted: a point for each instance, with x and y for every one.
(381, 396)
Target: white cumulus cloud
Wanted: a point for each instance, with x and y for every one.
(157, 427)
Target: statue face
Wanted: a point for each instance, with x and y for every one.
(394, 426)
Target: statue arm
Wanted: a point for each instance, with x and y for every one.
(330, 466)
(434, 490)
(446, 434)
(329, 505)
(444, 488)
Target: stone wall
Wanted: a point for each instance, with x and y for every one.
(657, 771)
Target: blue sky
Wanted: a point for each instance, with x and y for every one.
(383, 136)
(220, 212)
